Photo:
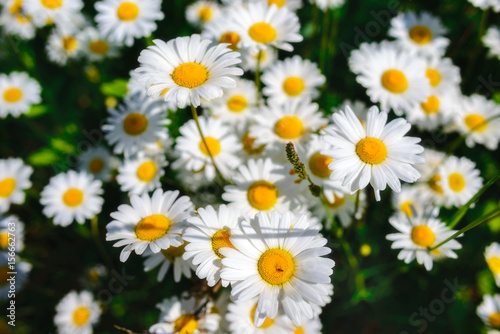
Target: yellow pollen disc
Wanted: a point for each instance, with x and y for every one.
(365, 250)
(4, 239)
(248, 147)
(185, 324)
(237, 103)
(73, 197)
(99, 47)
(262, 195)
(190, 75)
(456, 182)
(394, 81)
(423, 236)
(433, 184)
(135, 124)
(13, 95)
(81, 316)
(51, 4)
(96, 165)
(289, 127)
(146, 171)
(152, 227)
(205, 13)
(23, 19)
(276, 266)
(3, 275)
(318, 164)
(493, 263)
(494, 319)
(406, 208)
(436, 252)
(279, 3)
(431, 106)
(262, 32)
(232, 38)
(337, 202)
(293, 86)
(299, 330)
(127, 11)
(70, 43)
(7, 186)
(16, 7)
(213, 146)
(371, 150)
(421, 34)
(267, 323)
(221, 239)
(434, 76)
(173, 252)
(476, 122)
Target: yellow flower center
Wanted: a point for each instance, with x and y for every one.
(205, 13)
(13, 95)
(289, 127)
(3, 275)
(221, 239)
(276, 266)
(494, 319)
(337, 202)
(232, 38)
(237, 103)
(262, 195)
(4, 239)
(69, 43)
(476, 122)
(81, 316)
(394, 81)
(51, 4)
(147, 171)
(16, 7)
(371, 150)
(406, 208)
(299, 330)
(96, 165)
(127, 11)
(293, 86)
(23, 19)
(73, 197)
(456, 182)
(434, 76)
(433, 184)
(493, 263)
(318, 164)
(171, 253)
(152, 227)
(262, 32)
(279, 3)
(99, 47)
(185, 324)
(7, 186)
(213, 146)
(421, 34)
(431, 106)
(267, 323)
(190, 75)
(135, 124)
(248, 147)
(423, 236)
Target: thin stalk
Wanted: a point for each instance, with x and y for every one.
(356, 205)
(482, 24)
(257, 79)
(94, 227)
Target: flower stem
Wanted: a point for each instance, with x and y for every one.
(482, 24)
(257, 78)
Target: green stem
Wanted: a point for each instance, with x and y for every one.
(257, 78)
(482, 24)
(94, 227)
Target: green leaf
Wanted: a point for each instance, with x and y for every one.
(116, 88)
(43, 157)
(485, 282)
(37, 110)
(62, 145)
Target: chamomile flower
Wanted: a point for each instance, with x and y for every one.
(222, 31)
(203, 12)
(489, 311)
(437, 110)
(327, 4)
(492, 257)
(167, 257)
(293, 5)
(207, 233)
(18, 92)
(250, 58)
(419, 232)
(260, 185)
(14, 179)
(342, 206)
(443, 76)
(44, 11)
(142, 174)
(14, 22)
(150, 222)
(188, 70)
(422, 33)
(486, 4)
(380, 154)
(292, 78)
(407, 201)
(272, 262)
(431, 191)
(491, 40)
(123, 20)
(63, 46)
(359, 108)
(72, 196)
(137, 90)
(479, 120)
(134, 124)
(260, 26)
(77, 313)
(460, 180)
(11, 234)
(98, 162)
(13, 271)
(394, 78)
(95, 47)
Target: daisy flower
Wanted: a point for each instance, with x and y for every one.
(491, 40)
(489, 311)
(19, 275)
(431, 191)
(137, 90)
(443, 76)
(207, 233)
(71, 196)
(166, 257)
(324, 5)
(151, 222)
(272, 262)
(141, 174)
(260, 25)
(293, 5)
(203, 12)
(422, 33)
(77, 313)
(341, 206)
(250, 58)
(62, 46)
(18, 92)
(486, 4)
(222, 31)
(134, 124)
(359, 108)
(437, 110)
(11, 234)
(492, 256)
(96, 47)
(395, 79)
(293, 78)
(14, 179)
(58, 11)
(14, 22)
(188, 70)
(420, 232)
(98, 162)
(379, 154)
(460, 180)
(123, 20)
(407, 201)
